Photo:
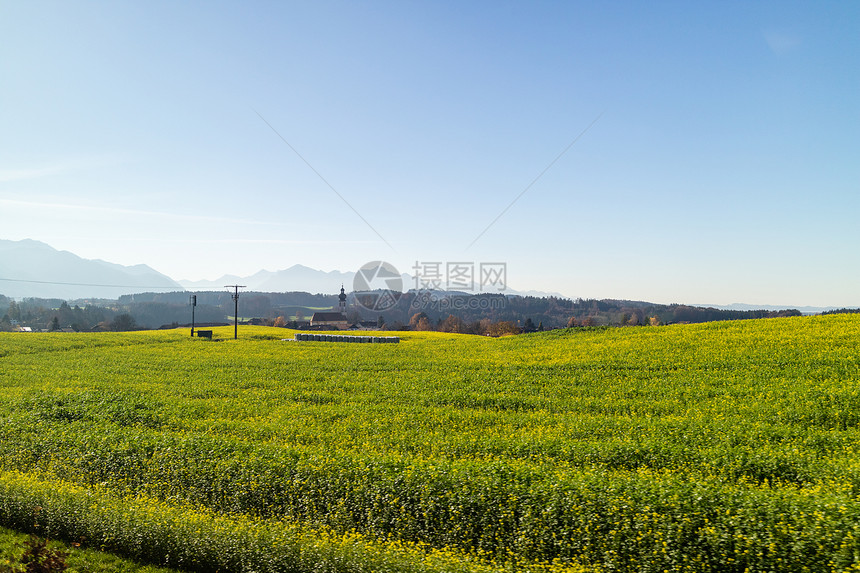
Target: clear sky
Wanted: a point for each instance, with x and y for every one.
(720, 159)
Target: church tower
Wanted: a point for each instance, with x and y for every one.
(342, 299)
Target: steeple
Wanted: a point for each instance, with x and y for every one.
(342, 299)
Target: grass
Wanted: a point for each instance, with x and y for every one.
(80, 559)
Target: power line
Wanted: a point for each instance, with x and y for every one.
(85, 284)
(324, 180)
(529, 186)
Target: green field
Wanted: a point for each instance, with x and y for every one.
(726, 446)
(78, 559)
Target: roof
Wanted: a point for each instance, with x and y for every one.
(328, 317)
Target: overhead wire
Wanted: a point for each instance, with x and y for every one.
(85, 284)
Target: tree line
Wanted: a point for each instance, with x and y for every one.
(493, 314)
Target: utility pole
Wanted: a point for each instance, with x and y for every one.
(193, 301)
(235, 296)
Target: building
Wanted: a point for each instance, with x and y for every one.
(329, 320)
(332, 320)
(341, 305)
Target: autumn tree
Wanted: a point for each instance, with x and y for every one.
(452, 324)
(504, 328)
(416, 318)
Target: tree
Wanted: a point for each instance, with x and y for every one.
(280, 322)
(14, 312)
(123, 322)
(256, 305)
(353, 316)
(416, 318)
(55, 324)
(65, 314)
(423, 324)
(451, 324)
(504, 328)
(529, 326)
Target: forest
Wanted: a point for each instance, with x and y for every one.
(443, 311)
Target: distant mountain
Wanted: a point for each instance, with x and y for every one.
(31, 268)
(297, 278)
(34, 269)
(743, 306)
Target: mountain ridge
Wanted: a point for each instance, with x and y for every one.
(32, 268)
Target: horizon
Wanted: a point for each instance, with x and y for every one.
(188, 285)
(661, 153)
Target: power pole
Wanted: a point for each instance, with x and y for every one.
(235, 297)
(193, 301)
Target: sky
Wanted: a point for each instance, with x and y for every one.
(672, 152)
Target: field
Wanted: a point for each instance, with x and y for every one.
(728, 446)
(78, 560)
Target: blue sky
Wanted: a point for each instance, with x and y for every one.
(722, 166)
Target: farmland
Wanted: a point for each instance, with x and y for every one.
(729, 446)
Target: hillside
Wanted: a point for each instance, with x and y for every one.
(685, 447)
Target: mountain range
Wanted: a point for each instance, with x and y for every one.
(30, 268)
(295, 278)
(306, 279)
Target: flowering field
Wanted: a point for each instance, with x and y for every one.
(718, 447)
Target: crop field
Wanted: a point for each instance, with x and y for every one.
(78, 560)
(731, 446)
